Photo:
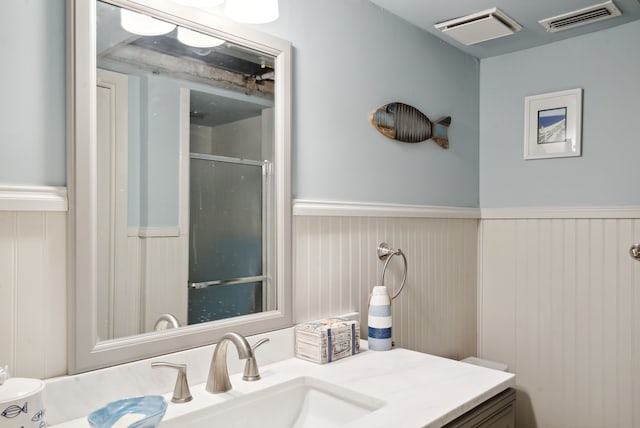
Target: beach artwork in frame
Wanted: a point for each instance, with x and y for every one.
(552, 124)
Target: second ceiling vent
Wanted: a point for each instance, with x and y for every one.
(580, 17)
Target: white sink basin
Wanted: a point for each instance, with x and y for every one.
(301, 402)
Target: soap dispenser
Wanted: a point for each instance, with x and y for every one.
(379, 319)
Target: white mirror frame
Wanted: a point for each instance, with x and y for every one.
(84, 350)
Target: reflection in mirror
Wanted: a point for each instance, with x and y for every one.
(163, 94)
(179, 188)
(230, 188)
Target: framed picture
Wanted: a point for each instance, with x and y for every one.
(552, 124)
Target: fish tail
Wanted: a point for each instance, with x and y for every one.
(439, 131)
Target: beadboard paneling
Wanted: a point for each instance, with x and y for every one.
(33, 293)
(165, 273)
(336, 267)
(559, 302)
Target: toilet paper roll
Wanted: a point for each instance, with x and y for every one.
(22, 403)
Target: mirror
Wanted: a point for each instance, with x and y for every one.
(179, 170)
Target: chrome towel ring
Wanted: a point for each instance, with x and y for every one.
(385, 252)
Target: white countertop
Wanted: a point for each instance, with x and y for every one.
(418, 389)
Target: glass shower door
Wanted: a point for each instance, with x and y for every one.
(226, 254)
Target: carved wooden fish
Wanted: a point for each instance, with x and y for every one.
(405, 123)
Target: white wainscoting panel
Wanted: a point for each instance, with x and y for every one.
(336, 267)
(33, 293)
(335, 263)
(127, 296)
(165, 271)
(559, 302)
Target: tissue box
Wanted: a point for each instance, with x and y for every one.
(327, 340)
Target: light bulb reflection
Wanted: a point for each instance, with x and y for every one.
(143, 25)
(197, 40)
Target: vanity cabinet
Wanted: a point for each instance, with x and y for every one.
(497, 412)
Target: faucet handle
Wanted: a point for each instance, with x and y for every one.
(181, 393)
(259, 342)
(251, 372)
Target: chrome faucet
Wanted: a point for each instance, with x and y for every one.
(218, 379)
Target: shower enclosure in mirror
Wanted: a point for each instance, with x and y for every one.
(184, 148)
(229, 216)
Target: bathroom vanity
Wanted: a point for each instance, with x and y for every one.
(397, 387)
(497, 412)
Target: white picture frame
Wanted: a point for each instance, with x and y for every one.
(553, 124)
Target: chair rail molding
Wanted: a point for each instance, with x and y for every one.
(33, 198)
(309, 207)
(613, 211)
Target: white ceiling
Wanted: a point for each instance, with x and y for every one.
(426, 13)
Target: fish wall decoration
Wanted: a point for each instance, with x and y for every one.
(405, 123)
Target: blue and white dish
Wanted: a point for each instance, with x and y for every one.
(148, 411)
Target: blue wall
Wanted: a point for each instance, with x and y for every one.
(350, 57)
(368, 59)
(32, 105)
(607, 66)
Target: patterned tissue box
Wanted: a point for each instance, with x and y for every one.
(327, 340)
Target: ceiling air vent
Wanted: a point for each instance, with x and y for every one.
(580, 17)
(479, 27)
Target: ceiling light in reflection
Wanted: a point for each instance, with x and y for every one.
(252, 11)
(197, 40)
(199, 3)
(143, 25)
